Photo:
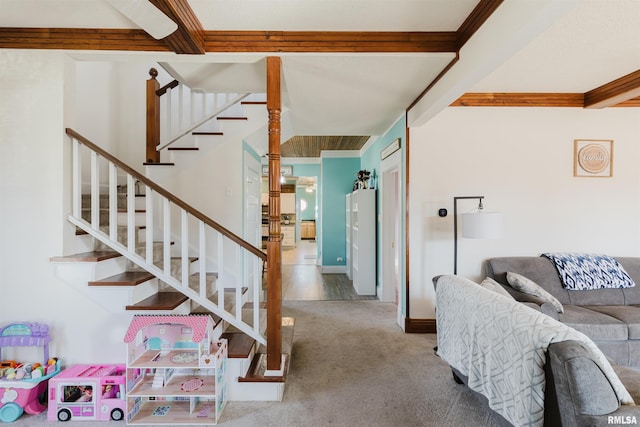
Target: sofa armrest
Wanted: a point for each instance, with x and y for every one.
(582, 390)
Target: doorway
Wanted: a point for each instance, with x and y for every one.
(305, 250)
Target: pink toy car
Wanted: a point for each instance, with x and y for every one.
(88, 392)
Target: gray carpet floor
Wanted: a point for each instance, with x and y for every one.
(353, 366)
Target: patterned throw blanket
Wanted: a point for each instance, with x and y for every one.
(500, 345)
(587, 271)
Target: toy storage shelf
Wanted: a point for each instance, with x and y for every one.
(175, 371)
(180, 412)
(165, 359)
(205, 383)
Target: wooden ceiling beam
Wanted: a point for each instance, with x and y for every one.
(189, 37)
(476, 18)
(620, 90)
(329, 41)
(79, 39)
(227, 41)
(516, 99)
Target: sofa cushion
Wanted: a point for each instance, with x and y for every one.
(528, 286)
(595, 325)
(539, 269)
(629, 314)
(597, 297)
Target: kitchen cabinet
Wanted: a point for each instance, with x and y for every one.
(308, 229)
(288, 203)
(288, 235)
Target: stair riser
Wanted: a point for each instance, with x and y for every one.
(104, 201)
(77, 275)
(143, 290)
(139, 219)
(121, 200)
(255, 392)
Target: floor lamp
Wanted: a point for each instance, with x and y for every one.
(475, 225)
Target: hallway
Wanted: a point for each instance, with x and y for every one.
(303, 281)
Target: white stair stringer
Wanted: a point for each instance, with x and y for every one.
(168, 279)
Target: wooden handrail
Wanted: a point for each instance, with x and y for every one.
(166, 87)
(173, 199)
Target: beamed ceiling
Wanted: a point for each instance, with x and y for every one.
(352, 69)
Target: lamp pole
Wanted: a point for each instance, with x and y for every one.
(455, 227)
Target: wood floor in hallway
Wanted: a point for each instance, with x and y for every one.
(302, 279)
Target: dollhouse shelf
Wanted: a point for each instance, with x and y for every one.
(175, 371)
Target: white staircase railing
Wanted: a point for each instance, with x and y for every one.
(183, 110)
(195, 234)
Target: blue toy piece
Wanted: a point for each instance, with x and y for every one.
(10, 412)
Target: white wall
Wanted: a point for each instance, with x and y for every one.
(44, 93)
(521, 160)
(35, 106)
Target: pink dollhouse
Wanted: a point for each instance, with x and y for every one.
(175, 370)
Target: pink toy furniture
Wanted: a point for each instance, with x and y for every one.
(175, 370)
(21, 393)
(88, 392)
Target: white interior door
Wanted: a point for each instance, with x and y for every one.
(390, 262)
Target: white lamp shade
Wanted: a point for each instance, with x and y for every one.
(482, 225)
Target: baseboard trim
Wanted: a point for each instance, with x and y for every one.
(419, 326)
(334, 269)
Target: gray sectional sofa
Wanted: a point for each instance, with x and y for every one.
(528, 368)
(610, 317)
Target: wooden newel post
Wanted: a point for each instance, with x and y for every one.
(153, 118)
(274, 260)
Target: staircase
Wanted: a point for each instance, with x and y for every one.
(150, 252)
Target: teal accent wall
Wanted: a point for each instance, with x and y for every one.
(370, 161)
(338, 174)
